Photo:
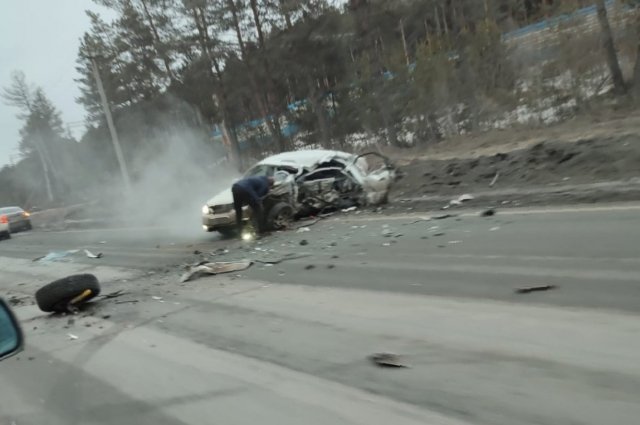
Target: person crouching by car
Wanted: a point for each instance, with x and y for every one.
(250, 191)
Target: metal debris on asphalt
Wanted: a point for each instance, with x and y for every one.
(196, 271)
(495, 179)
(280, 260)
(540, 288)
(443, 216)
(488, 213)
(304, 242)
(309, 267)
(55, 256)
(92, 255)
(72, 337)
(387, 360)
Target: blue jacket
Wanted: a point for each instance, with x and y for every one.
(256, 187)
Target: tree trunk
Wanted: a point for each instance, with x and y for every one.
(157, 41)
(636, 67)
(315, 97)
(610, 49)
(272, 122)
(216, 79)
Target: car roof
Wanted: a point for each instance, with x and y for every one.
(304, 158)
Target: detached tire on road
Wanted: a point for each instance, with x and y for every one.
(56, 295)
(279, 216)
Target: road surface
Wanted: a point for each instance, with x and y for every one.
(288, 343)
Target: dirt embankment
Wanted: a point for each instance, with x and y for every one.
(588, 169)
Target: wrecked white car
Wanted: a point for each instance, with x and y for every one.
(308, 182)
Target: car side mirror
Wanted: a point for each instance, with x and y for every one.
(11, 337)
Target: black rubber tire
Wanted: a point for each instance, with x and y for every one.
(273, 222)
(56, 295)
(5, 235)
(28, 226)
(228, 232)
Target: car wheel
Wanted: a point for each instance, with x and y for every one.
(228, 232)
(5, 235)
(280, 216)
(56, 295)
(28, 226)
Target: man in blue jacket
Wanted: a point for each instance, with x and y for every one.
(250, 191)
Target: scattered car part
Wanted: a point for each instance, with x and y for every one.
(56, 256)
(530, 289)
(304, 242)
(195, 271)
(386, 360)
(495, 179)
(488, 213)
(59, 295)
(280, 260)
(92, 255)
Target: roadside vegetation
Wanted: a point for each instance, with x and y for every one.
(194, 83)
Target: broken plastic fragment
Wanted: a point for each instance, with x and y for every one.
(196, 271)
(92, 255)
(386, 360)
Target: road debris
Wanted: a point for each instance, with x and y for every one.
(92, 255)
(127, 302)
(309, 267)
(72, 337)
(115, 294)
(460, 200)
(280, 260)
(303, 229)
(387, 360)
(66, 294)
(443, 216)
(156, 298)
(455, 242)
(55, 256)
(350, 209)
(488, 213)
(530, 289)
(196, 271)
(495, 179)
(304, 242)
(493, 229)
(419, 220)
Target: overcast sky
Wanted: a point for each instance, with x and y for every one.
(41, 38)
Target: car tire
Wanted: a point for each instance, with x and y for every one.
(5, 235)
(228, 232)
(28, 226)
(279, 216)
(56, 295)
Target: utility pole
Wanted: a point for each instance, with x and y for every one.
(112, 127)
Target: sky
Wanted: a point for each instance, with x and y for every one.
(41, 38)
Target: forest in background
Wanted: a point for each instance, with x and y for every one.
(400, 73)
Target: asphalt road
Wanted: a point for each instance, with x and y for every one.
(288, 343)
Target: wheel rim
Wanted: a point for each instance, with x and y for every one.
(283, 218)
